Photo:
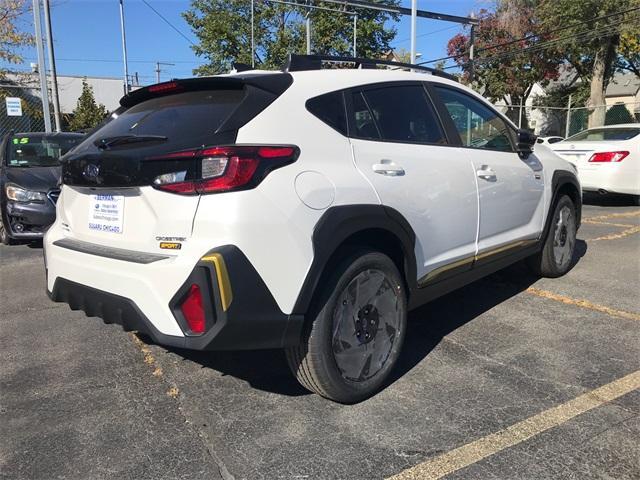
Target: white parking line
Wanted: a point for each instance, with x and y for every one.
(475, 451)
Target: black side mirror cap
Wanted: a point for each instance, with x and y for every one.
(525, 143)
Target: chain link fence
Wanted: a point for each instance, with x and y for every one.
(30, 117)
(564, 121)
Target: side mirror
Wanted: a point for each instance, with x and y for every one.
(526, 141)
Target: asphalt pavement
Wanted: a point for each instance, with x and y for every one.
(510, 377)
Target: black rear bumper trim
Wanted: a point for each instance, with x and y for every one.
(109, 252)
(253, 321)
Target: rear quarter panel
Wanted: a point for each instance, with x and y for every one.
(271, 224)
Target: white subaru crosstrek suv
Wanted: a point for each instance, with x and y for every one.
(307, 209)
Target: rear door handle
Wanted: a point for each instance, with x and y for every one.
(487, 173)
(387, 167)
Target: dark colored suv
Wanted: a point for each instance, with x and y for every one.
(29, 181)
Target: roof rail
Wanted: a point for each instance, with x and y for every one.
(297, 63)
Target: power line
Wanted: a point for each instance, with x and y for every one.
(535, 35)
(427, 33)
(105, 60)
(605, 30)
(168, 22)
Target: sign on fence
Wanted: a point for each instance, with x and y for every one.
(14, 106)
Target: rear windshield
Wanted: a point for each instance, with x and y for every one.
(597, 134)
(187, 120)
(39, 151)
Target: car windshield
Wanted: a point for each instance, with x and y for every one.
(40, 150)
(598, 134)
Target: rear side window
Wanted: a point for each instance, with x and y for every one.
(330, 109)
(188, 120)
(405, 114)
(598, 134)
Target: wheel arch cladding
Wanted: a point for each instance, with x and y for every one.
(343, 228)
(565, 182)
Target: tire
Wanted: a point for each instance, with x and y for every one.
(359, 318)
(556, 257)
(5, 239)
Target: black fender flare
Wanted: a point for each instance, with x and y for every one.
(559, 179)
(339, 223)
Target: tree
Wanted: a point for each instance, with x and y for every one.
(629, 50)
(618, 113)
(223, 29)
(507, 73)
(11, 38)
(590, 42)
(87, 113)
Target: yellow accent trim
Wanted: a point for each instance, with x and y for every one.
(473, 258)
(444, 268)
(504, 248)
(226, 294)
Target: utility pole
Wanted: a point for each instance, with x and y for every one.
(472, 41)
(124, 48)
(308, 34)
(44, 89)
(414, 16)
(52, 62)
(158, 69)
(253, 46)
(355, 35)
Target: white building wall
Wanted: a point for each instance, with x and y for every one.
(106, 91)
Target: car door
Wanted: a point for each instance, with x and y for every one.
(511, 189)
(400, 146)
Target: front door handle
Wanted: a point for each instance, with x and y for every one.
(387, 167)
(487, 173)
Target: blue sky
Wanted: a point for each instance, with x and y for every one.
(87, 36)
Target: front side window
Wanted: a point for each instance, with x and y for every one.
(363, 124)
(478, 125)
(39, 150)
(405, 114)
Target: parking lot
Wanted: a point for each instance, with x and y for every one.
(510, 377)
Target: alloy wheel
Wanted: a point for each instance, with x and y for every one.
(366, 323)
(564, 237)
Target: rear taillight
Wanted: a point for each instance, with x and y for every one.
(193, 310)
(224, 169)
(608, 157)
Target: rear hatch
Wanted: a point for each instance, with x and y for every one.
(109, 195)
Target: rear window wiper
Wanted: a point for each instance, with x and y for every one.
(108, 142)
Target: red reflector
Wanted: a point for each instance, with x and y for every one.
(608, 156)
(185, 188)
(275, 152)
(193, 311)
(164, 87)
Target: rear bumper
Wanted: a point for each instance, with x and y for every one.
(252, 320)
(614, 178)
